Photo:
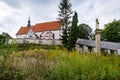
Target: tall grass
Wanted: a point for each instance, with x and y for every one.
(75, 66)
(58, 64)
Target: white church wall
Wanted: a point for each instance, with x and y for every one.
(38, 33)
(55, 32)
(36, 41)
(22, 36)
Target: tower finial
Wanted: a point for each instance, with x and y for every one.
(29, 24)
(29, 17)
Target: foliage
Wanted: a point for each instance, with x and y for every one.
(87, 67)
(4, 38)
(85, 31)
(73, 35)
(112, 31)
(10, 72)
(58, 64)
(64, 16)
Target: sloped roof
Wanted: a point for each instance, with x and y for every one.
(104, 44)
(47, 26)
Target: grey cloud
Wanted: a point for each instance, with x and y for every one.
(13, 3)
(47, 10)
(44, 12)
(1, 25)
(77, 2)
(39, 1)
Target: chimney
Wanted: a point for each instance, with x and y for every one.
(98, 37)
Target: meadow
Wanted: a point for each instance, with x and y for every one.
(36, 62)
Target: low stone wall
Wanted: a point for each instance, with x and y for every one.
(36, 41)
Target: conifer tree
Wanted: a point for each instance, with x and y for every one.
(73, 35)
(64, 16)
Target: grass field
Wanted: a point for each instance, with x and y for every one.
(35, 62)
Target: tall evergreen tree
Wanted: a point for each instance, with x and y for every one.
(64, 16)
(73, 35)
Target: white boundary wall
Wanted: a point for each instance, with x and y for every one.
(36, 41)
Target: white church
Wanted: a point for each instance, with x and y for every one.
(42, 33)
(47, 30)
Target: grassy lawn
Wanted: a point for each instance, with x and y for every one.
(35, 62)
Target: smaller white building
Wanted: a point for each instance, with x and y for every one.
(85, 45)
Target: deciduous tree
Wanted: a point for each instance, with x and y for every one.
(111, 31)
(85, 31)
(4, 38)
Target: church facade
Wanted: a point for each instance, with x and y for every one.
(42, 31)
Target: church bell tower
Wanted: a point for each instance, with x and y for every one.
(29, 24)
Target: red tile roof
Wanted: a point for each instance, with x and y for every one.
(47, 26)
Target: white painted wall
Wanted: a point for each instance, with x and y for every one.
(56, 34)
(36, 41)
(22, 36)
(118, 51)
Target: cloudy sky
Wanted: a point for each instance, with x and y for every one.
(15, 13)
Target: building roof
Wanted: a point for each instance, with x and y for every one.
(104, 44)
(40, 27)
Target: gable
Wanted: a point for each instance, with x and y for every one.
(47, 26)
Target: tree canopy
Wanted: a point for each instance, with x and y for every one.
(112, 31)
(4, 37)
(85, 31)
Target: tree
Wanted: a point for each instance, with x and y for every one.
(85, 31)
(111, 31)
(64, 16)
(4, 38)
(73, 35)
